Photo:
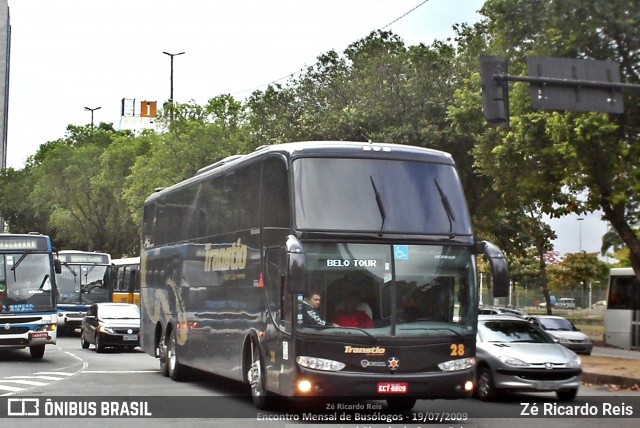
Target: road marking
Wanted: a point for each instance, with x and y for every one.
(119, 371)
(55, 378)
(24, 382)
(10, 389)
(56, 373)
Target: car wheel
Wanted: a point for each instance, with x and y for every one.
(83, 342)
(401, 404)
(177, 371)
(256, 377)
(37, 352)
(485, 389)
(567, 395)
(99, 345)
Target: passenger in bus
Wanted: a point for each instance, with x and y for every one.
(310, 311)
(351, 316)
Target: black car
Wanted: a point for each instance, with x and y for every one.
(111, 325)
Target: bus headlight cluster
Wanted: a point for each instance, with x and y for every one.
(454, 365)
(320, 364)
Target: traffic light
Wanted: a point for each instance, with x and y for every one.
(495, 92)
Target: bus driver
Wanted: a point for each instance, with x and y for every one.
(311, 316)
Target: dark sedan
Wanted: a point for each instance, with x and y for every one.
(111, 325)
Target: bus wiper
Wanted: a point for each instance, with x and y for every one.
(447, 209)
(435, 328)
(359, 329)
(16, 264)
(379, 202)
(73, 272)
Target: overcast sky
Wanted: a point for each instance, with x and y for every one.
(71, 54)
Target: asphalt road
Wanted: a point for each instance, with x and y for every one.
(71, 374)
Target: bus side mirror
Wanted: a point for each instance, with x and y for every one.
(57, 266)
(499, 269)
(295, 265)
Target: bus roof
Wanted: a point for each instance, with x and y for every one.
(348, 149)
(621, 272)
(126, 261)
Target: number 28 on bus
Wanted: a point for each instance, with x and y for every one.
(318, 269)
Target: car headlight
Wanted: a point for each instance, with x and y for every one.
(510, 361)
(105, 329)
(575, 362)
(562, 339)
(460, 364)
(320, 364)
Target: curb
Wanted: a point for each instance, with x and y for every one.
(604, 379)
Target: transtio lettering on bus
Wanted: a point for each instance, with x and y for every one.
(229, 258)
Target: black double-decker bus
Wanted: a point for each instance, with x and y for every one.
(231, 256)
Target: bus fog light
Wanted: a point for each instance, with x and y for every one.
(455, 365)
(304, 386)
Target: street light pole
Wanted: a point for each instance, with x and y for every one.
(580, 219)
(92, 110)
(171, 79)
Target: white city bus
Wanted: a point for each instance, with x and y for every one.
(622, 315)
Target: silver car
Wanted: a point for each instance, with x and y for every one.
(564, 332)
(516, 355)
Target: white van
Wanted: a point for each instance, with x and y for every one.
(566, 303)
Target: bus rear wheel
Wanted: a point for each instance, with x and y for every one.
(256, 378)
(37, 352)
(177, 371)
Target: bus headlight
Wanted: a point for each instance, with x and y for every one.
(320, 364)
(454, 365)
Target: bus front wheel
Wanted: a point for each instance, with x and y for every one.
(401, 404)
(256, 378)
(37, 352)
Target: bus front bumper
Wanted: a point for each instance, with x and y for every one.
(458, 384)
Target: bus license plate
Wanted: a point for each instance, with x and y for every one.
(39, 335)
(129, 337)
(393, 387)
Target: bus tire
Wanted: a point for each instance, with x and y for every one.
(177, 371)
(401, 404)
(37, 352)
(262, 399)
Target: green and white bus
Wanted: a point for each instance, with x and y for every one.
(27, 292)
(229, 254)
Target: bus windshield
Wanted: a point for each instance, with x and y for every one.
(376, 195)
(25, 282)
(386, 290)
(82, 283)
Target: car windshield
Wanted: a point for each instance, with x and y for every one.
(560, 324)
(511, 331)
(120, 312)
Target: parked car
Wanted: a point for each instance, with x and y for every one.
(495, 310)
(111, 325)
(566, 303)
(564, 332)
(516, 355)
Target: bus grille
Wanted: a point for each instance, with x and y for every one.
(20, 320)
(14, 330)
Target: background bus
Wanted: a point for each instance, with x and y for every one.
(124, 280)
(622, 315)
(229, 255)
(81, 283)
(27, 292)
